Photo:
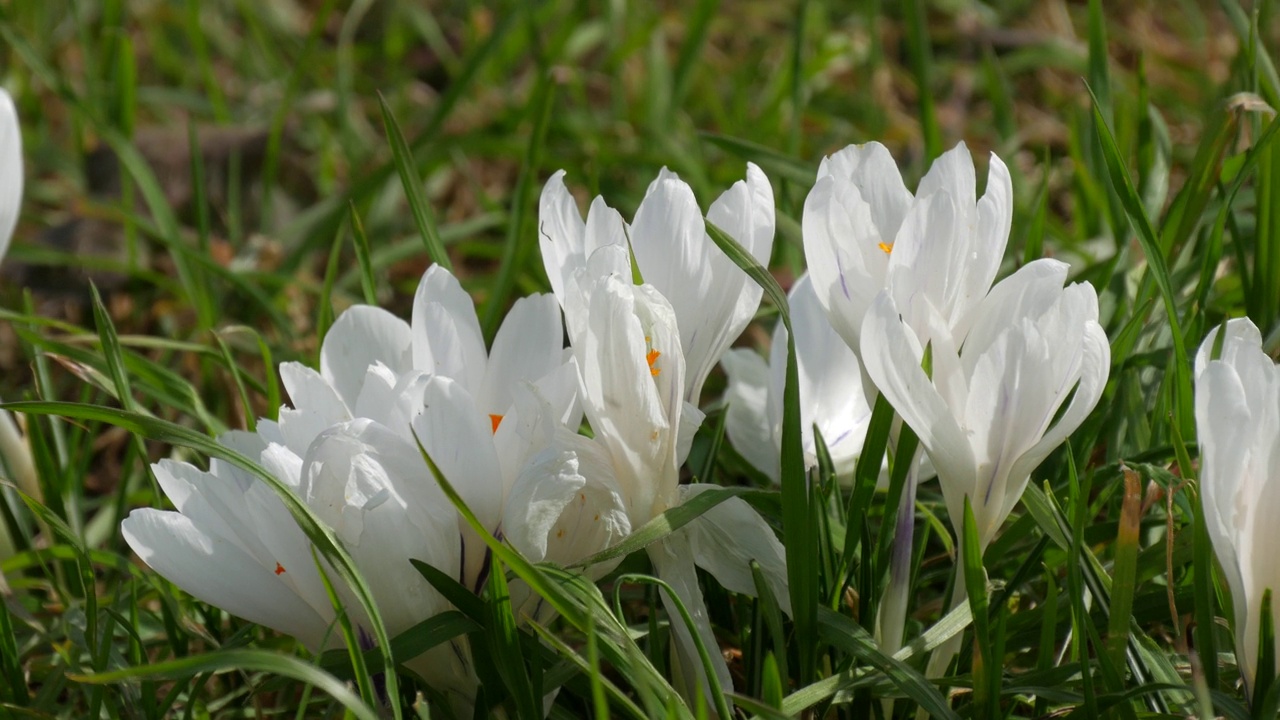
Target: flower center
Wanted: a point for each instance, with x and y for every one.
(279, 569)
(496, 420)
(886, 247)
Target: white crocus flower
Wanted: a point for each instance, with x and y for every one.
(10, 170)
(15, 455)
(713, 299)
(627, 344)
(231, 542)
(940, 249)
(986, 418)
(831, 393)
(935, 254)
(349, 449)
(1238, 421)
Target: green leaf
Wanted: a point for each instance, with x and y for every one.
(407, 168)
(1264, 673)
(361, 243)
(975, 577)
(843, 633)
(803, 554)
(1124, 576)
(667, 522)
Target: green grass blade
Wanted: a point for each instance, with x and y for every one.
(219, 661)
(975, 578)
(803, 558)
(540, 109)
(1156, 262)
(406, 167)
(1124, 576)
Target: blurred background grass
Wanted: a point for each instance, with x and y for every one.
(215, 270)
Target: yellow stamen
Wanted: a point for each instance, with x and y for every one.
(496, 420)
(886, 247)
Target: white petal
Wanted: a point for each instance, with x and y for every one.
(10, 170)
(374, 490)
(377, 400)
(446, 333)
(1094, 370)
(459, 439)
(893, 362)
(673, 562)
(528, 347)
(1027, 293)
(216, 571)
(728, 537)
(676, 256)
(1221, 410)
(566, 505)
(928, 260)
(832, 390)
(526, 430)
(317, 406)
(215, 503)
(560, 389)
(634, 405)
(841, 247)
(690, 420)
(360, 337)
(953, 172)
(874, 173)
(747, 422)
(1241, 334)
(560, 233)
(746, 213)
(989, 237)
(605, 228)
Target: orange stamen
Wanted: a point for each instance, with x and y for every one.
(652, 357)
(886, 247)
(279, 569)
(496, 420)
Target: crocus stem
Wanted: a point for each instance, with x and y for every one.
(945, 652)
(893, 605)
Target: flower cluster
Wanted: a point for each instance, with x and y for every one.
(900, 300)
(502, 426)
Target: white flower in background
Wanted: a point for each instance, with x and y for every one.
(1238, 422)
(713, 298)
(348, 450)
(936, 252)
(15, 455)
(831, 392)
(986, 419)
(627, 344)
(10, 170)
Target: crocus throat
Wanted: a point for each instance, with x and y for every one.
(886, 247)
(496, 420)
